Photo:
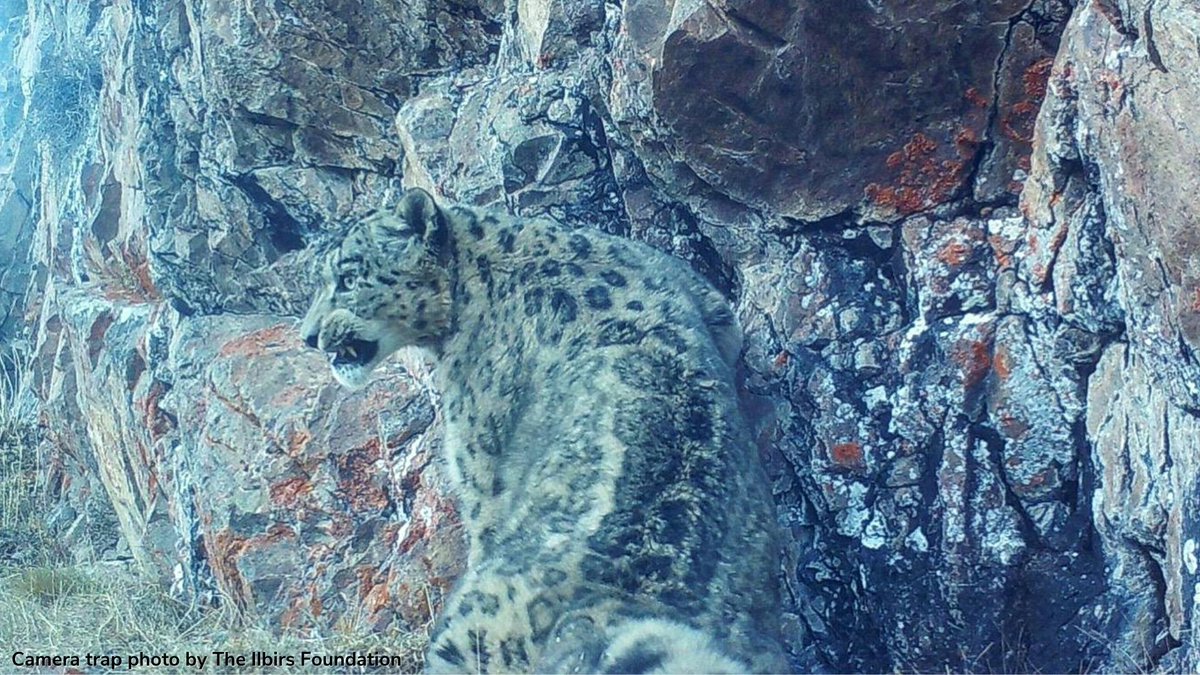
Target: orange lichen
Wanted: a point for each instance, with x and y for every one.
(372, 589)
(1003, 365)
(297, 441)
(355, 470)
(378, 599)
(923, 181)
(1025, 108)
(366, 579)
(976, 361)
(289, 492)
(967, 142)
(903, 200)
(157, 422)
(955, 253)
(1017, 122)
(1002, 249)
(848, 455)
(919, 145)
(1196, 300)
(976, 97)
(1036, 78)
(417, 532)
(781, 359)
(226, 548)
(258, 342)
(1059, 238)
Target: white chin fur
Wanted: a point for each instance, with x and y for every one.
(351, 377)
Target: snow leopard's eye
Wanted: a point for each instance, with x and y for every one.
(346, 281)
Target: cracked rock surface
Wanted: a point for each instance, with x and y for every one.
(962, 240)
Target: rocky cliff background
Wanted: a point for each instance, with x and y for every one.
(962, 237)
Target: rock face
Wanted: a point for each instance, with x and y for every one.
(962, 240)
(1114, 196)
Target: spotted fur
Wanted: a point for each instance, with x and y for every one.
(618, 516)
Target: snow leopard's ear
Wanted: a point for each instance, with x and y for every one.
(417, 217)
(423, 217)
(417, 210)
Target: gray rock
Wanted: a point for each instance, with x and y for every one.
(961, 241)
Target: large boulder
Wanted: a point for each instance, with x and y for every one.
(808, 109)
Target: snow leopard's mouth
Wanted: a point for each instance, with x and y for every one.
(354, 352)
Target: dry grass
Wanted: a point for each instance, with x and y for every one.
(107, 609)
(23, 536)
(65, 93)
